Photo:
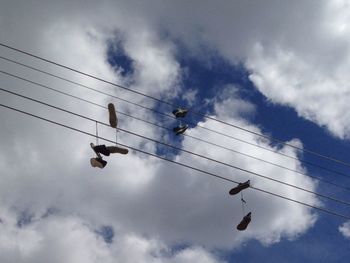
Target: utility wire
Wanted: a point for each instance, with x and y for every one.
(274, 151)
(181, 164)
(174, 106)
(193, 137)
(158, 112)
(147, 108)
(141, 106)
(178, 148)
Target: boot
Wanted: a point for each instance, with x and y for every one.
(239, 187)
(117, 149)
(245, 222)
(113, 120)
(98, 162)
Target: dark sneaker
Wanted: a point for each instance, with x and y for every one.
(239, 187)
(180, 129)
(180, 113)
(245, 222)
(93, 148)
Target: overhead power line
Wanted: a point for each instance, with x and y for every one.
(140, 106)
(243, 141)
(174, 106)
(181, 164)
(181, 149)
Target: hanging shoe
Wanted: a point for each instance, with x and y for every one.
(101, 149)
(180, 129)
(239, 187)
(117, 149)
(98, 162)
(113, 120)
(245, 222)
(93, 148)
(180, 113)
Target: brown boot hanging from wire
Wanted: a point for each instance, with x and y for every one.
(246, 218)
(239, 187)
(245, 222)
(103, 149)
(113, 120)
(98, 160)
(107, 150)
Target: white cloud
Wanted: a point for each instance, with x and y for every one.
(44, 167)
(296, 52)
(143, 196)
(344, 229)
(287, 78)
(272, 218)
(190, 95)
(295, 58)
(71, 239)
(228, 104)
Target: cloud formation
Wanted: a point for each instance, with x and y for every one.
(71, 239)
(150, 205)
(344, 229)
(296, 52)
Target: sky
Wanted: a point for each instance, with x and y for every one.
(276, 68)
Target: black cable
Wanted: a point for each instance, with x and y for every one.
(181, 164)
(174, 106)
(138, 105)
(274, 151)
(178, 148)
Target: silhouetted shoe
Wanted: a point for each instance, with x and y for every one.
(113, 120)
(100, 149)
(180, 129)
(239, 187)
(245, 222)
(98, 162)
(117, 149)
(180, 113)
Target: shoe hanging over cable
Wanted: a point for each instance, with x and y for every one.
(98, 162)
(180, 112)
(113, 120)
(245, 222)
(105, 150)
(240, 187)
(180, 129)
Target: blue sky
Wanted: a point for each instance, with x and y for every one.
(267, 66)
(279, 122)
(283, 123)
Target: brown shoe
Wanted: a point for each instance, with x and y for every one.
(97, 162)
(113, 120)
(245, 222)
(239, 187)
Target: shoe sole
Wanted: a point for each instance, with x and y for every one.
(116, 149)
(113, 121)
